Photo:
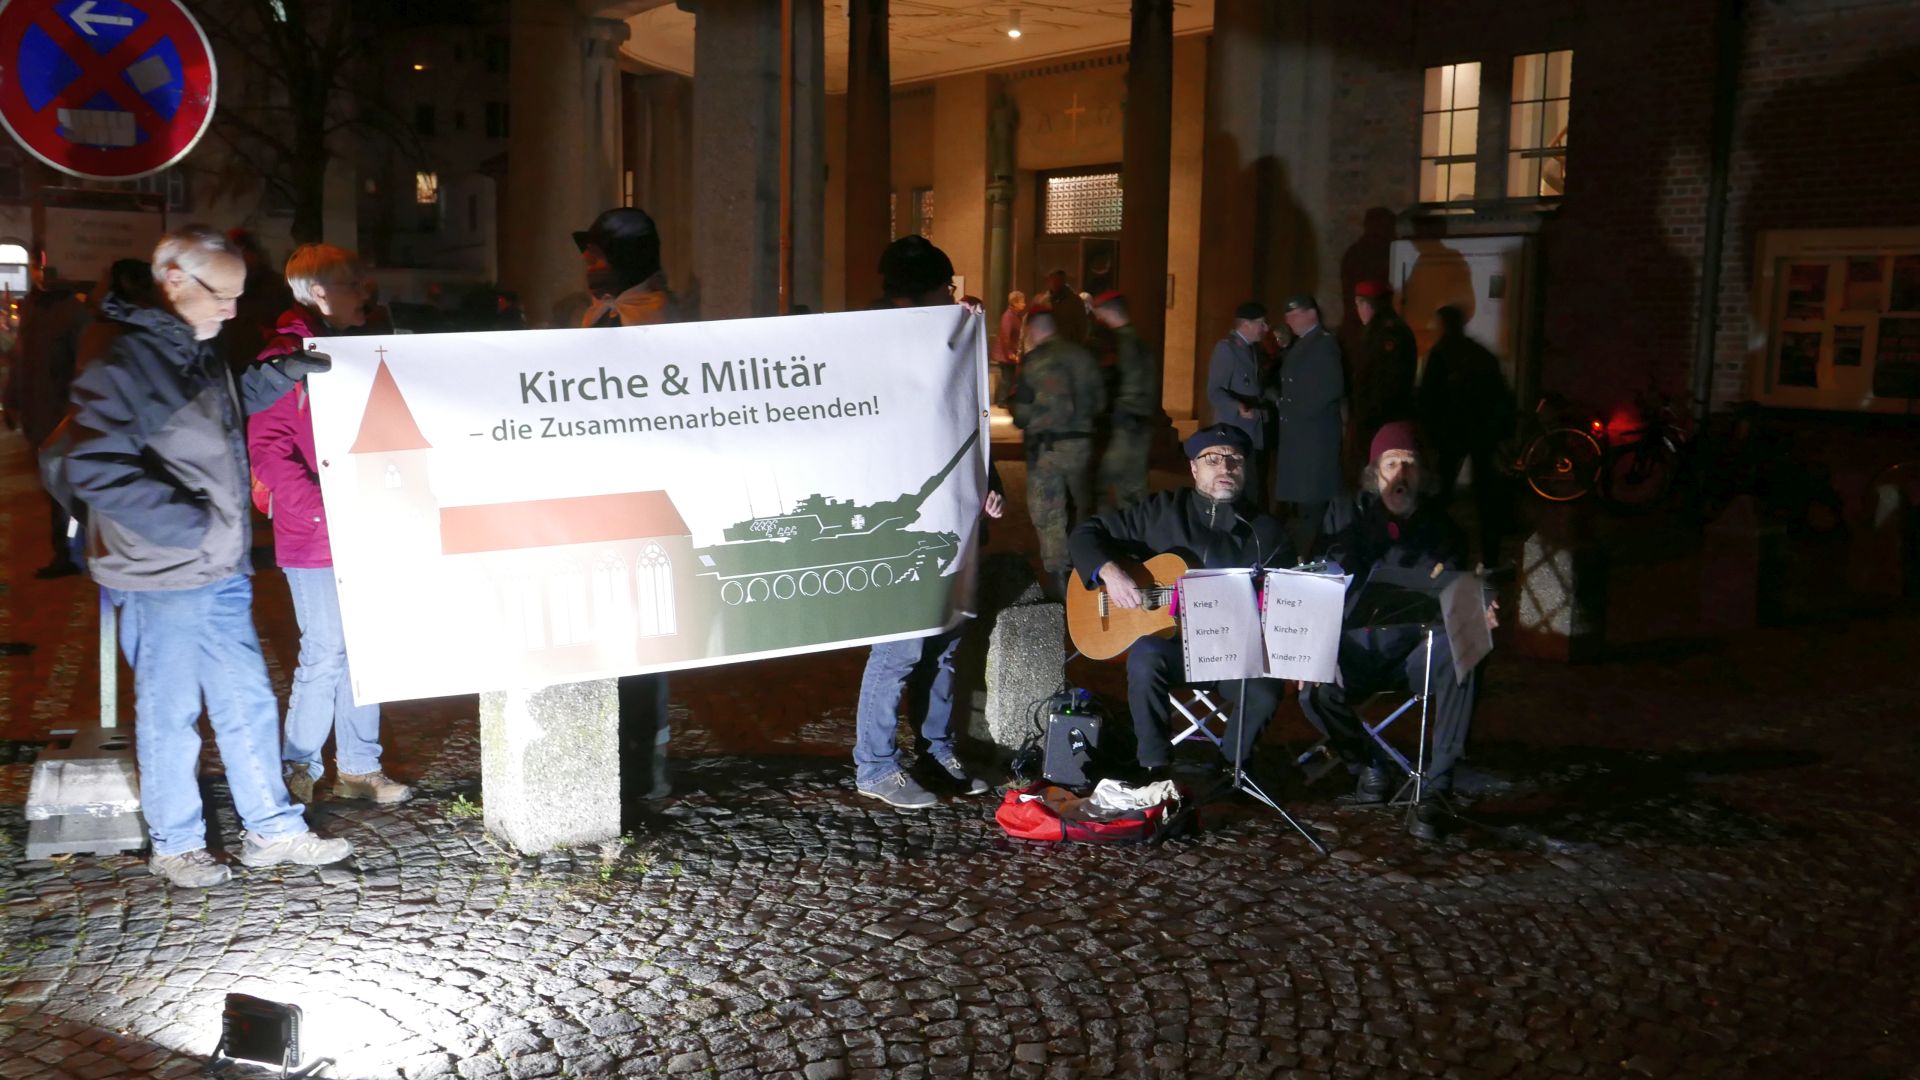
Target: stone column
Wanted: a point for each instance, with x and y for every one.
(1235, 145)
(1000, 124)
(869, 147)
(563, 161)
(1145, 166)
(736, 154)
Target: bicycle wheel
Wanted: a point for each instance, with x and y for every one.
(1563, 464)
(1638, 476)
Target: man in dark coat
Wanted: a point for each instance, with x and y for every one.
(1210, 525)
(1311, 418)
(1389, 523)
(1235, 384)
(1069, 311)
(1389, 362)
(1466, 410)
(44, 362)
(620, 252)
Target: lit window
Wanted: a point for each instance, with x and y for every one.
(1537, 136)
(426, 188)
(1088, 203)
(1449, 133)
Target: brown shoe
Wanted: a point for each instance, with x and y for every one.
(299, 783)
(375, 785)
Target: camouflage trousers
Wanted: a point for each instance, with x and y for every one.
(1123, 468)
(1059, 495)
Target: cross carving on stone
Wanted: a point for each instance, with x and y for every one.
(1073, 118)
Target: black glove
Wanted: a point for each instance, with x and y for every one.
(299, 365)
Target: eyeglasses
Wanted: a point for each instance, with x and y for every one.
(211, 291)
(1225, 461)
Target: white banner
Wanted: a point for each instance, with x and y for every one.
(546, 506)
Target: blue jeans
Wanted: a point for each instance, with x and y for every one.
(322, 697)
(182, 644)
(924, 668)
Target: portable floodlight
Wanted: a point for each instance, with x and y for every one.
(255, 1029)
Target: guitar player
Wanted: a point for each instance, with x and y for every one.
(1213, 525)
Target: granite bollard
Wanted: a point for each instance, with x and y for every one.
(550, 764)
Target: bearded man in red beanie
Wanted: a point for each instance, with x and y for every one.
(1389, 522)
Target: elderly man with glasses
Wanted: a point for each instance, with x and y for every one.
(159, 457)
(1210, 525)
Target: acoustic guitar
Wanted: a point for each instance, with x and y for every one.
(1100, 630)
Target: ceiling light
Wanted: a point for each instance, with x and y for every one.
(1013, 24)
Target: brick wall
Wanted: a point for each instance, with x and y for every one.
(1825, 140)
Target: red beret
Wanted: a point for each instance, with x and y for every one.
(1372, 289)
(1110, 294)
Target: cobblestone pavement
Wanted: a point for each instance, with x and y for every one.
(1697, 862)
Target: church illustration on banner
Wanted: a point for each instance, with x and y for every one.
(543, 587)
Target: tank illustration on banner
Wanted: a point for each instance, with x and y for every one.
(832, 564)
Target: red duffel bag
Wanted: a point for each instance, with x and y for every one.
(1046, 812)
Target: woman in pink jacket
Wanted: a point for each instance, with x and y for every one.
(330, 297)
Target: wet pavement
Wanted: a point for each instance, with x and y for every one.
(1694, 861)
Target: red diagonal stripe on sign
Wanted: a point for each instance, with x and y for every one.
(105, 73)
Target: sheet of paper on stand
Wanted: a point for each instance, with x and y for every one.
(1302, 620)
(1220, 626)
(1463, 605)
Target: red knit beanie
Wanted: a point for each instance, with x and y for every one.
(1395, 436)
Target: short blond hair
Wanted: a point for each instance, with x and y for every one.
(317, 264)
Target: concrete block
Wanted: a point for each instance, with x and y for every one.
(1562, 583)
(93, 776)
(81, 834)
(1741, 559)
(550, 764)
(1026, 662)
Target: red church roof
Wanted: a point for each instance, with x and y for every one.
(589, 519)
(387, 424)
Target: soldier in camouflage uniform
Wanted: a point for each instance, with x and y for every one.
(1136, 407)
(1059, 401)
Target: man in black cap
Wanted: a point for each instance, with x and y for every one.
(914, 273)
(621, 253)
(1310, 422)
(1212, 525)
(621, 250)
(1234, 384)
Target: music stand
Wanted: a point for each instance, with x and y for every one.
(1396, 597)
(1238, 780)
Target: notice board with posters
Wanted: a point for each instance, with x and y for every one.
(1841, 310)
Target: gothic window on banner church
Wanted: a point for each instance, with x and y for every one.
(1537, 130)
(655, 580)
(1449, 133)
(612, 599)
(567, 601)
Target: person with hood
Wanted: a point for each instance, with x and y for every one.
(159, 459)
(329, 298)
(628, 286)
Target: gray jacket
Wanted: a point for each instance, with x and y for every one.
(1233, 379)
(159, 457)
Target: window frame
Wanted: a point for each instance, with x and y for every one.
(1450, 160)
(1511, 154)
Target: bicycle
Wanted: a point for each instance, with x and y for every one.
(1559, 451)
(1640, 465)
